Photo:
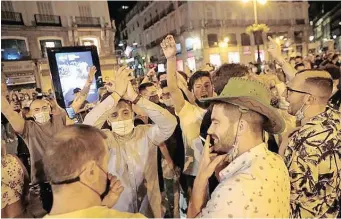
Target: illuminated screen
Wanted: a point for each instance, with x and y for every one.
(73, 70)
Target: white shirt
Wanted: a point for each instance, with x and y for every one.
(255, 184)
(133, 157)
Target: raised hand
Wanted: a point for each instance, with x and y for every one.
(169, 47)
(151, 72)
(274, 48)
(114, 193)
(122, 79)
(92, 72)
(131, 94)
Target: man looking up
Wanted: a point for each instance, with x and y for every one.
(190, 115)
(253, 182)
(312, 152)
(49, 119)
(77, 166)
(133, 150)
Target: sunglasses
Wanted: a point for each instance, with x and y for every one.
(297, 91)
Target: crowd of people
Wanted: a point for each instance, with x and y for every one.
(229, 142)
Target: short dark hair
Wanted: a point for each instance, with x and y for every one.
(299, 65)
(225, 73)
(333, 70)
(298, 57)
(71, 149)
(197, 75)
(325, 84)
(335, 56)
(159, 75)
(76, 90)
(144, 86)
(291, 58)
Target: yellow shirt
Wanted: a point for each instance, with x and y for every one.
(96, 212)
(190, 120)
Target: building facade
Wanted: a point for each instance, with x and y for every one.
(215, 32)
(29, 27)
(327, 30)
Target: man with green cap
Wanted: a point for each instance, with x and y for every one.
(253, 182)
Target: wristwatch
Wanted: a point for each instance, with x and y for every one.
(137, 99)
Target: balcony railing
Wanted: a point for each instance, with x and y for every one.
(300, 21)
(231, 23)
(170, 8)
(47, 20)
(88, 22)
(11, 18)
(212, 23)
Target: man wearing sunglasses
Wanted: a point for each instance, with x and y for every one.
(312, 151)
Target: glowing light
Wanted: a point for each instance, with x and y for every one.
(226, 39)
(222, 44)
(121, 44)
(245, 1)
(262, 1)
(281, 37)
(334, 37)
(135, 44)
(311, 38)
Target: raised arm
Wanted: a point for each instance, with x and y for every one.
(77, 103)
(169, 49)
(13, 117)
(275, 51)
(98, 115)
(151, 72)
(165, 122)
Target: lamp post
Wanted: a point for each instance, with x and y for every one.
(257, 34)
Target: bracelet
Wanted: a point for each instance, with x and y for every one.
(137, 99)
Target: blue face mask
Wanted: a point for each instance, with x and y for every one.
(77, 179)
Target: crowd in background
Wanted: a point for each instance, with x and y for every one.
(232, 141)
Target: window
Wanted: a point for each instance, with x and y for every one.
(48, 44)
(245, 39)
(298, 36)
(14, 49)
(300, 21)
(212, 40)
(234, 57)
(45, 8)
(209, 13)
(84, 10)
(138, 25)
(7, 6)
(232, 39)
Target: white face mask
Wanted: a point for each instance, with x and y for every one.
(300, 113)
(168, 102)
(283, 104)
(42, 117)
(122, 127)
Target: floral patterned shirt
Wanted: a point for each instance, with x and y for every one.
(313, 157)
(12, 180)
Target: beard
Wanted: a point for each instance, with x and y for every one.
(225, 143)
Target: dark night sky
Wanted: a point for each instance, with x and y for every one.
(116, 12)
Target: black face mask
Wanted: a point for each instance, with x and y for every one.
(154, 99)
(163, 84)
(203, 105)
(77, 179)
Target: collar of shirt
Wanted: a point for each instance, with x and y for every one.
(243, 161)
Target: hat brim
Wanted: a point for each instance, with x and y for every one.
(275, 123)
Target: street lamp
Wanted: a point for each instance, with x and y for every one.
(256, 22)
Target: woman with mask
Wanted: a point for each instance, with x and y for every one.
(133, 150)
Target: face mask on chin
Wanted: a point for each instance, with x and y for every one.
(203, 105)
(42, 117)
(122, 127)
(300, 113)
(154, 99)
(168, 102)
